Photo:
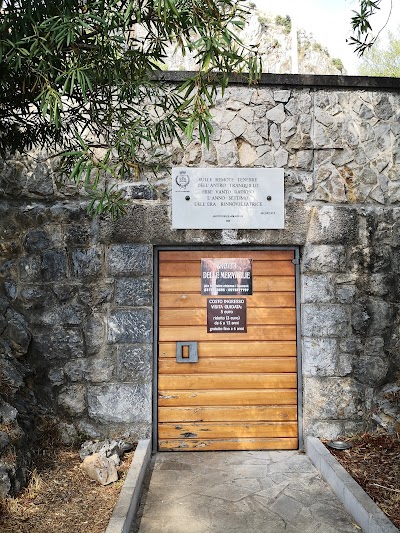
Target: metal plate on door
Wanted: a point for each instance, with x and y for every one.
(186, 352)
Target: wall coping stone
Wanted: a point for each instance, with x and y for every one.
(314, 81)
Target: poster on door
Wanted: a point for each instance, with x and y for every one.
(226, 276)
(226, 315)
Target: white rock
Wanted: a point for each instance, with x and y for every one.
(377, 195)
(226, 117)
(281, 96)
(266, 160)
(281, 157)
(252, 137)
(275, 135)
(247, 114)
(323, 117)
(73, 399)
(115, 459)
(100, 469)
(307, 181)
(276, 114)
(234, 105)
(226, 136)
(288, 128)
(305, 160)
(227, 154)
(237, 126)
(247, 155)
(262, 128)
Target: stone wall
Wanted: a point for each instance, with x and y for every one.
(89, 310)
(86, 286)
(17, 401)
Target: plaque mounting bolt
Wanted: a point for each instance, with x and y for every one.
(269, 198)
(187, 198)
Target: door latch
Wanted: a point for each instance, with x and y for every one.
(186, 352)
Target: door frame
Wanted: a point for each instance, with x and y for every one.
(237, 248)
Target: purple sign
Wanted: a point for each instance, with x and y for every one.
(226, 276)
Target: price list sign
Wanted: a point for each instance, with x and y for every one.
(226, 315)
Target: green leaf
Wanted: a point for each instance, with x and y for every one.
(86, 75)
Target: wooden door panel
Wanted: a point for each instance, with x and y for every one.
(193, 301)
(212, 365)
(226, 381)
(194, 317)
(227, 397)
(204, 444)
(254, 333)
(260, 283)
(242, 349)
(242, 392)
(193, 269)
(227, 430)
(253, 413)
(261, 255)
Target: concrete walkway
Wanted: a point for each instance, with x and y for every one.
(239, 492)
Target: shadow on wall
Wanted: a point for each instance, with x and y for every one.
(17, 401)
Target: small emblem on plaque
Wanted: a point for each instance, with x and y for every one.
(182, 180)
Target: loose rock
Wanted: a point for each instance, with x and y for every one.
(100, 468)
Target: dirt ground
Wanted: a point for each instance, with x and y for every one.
(61, 498)
(374, 462)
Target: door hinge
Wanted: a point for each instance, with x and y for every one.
(296, 261)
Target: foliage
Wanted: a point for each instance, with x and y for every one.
(286, 22)
(363, 39)
(263, 20)
(383, 60)
(318, 47)
(85, 76)
(338, 63)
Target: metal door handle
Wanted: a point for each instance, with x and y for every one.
(192, 355)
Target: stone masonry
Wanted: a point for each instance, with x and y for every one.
(85, 286)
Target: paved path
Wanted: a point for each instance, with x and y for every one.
(239, 492)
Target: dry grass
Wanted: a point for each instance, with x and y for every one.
(9, 455)
(374, 462)
(35, 485)
(6, 386)
(11, 507)
(60, 498)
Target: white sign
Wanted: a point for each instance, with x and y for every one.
(228, 198)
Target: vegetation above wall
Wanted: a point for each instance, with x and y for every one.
(272, 35)
(383, 60)
(79, 76)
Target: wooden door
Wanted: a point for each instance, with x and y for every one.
(242, 392)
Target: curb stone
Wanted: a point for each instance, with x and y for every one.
(356, 501)
(128, 500)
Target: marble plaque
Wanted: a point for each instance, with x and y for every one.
(228, 198)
